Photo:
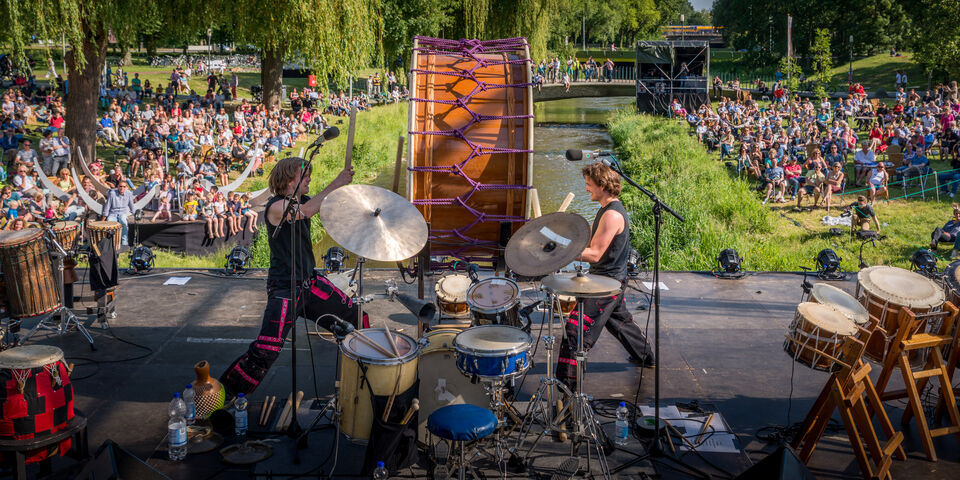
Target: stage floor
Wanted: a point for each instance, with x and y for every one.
(721, 345)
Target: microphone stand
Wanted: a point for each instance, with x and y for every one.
(656, 450)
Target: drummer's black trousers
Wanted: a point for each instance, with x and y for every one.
(317, 300)
(599, 313)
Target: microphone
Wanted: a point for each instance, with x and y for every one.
(328, 134)
(526, 311)
(601, 155)
(341, 328)
(472, 272)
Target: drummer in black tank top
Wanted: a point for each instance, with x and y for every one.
(607, 254)
(291, 275)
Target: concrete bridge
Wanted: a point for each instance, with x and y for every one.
(556, 91)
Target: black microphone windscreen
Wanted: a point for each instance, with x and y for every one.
(574, 155)
(331, 133)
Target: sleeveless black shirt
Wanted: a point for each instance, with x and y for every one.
(278, 276)
(613, 262)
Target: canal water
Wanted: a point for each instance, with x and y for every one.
(576, 123)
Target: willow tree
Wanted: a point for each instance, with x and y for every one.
(333, 38)
(490, 19)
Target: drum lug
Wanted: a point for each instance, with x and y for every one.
(519, 365)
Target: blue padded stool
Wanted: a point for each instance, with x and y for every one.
(462, 423)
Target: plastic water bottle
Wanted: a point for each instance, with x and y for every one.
(177, 429)
(381, 472)
(623, 424)
(189, 398)
(240, 416)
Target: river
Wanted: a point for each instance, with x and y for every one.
(576, 123)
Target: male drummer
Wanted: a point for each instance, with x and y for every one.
(607, 254)
(291, 261)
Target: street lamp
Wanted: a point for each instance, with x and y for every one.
(850, 72)
(210, 44)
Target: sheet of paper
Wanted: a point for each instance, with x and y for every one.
(720, 441)
(177, 281)
(649, 285)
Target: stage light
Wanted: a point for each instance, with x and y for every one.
(237, 260)
(141, 261)
(730, 264)
(635, 264)
(828, 265)
(924, 263)
(334, 259)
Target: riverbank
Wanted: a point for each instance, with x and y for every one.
(723, 211)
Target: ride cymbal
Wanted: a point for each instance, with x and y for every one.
(581, 285)
(547, 244)
(373, 223)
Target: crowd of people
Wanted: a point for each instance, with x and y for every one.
(565, 72)
(186, 145)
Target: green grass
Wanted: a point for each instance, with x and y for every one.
(723, 211)
(879, 71)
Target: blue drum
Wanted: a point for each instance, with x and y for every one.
(493, 352)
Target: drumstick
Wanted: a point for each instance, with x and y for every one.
(353, 126)
(263, 409)
(393, 344)
(376, 346)
(293, 410)
(566, 202)
(414, 406)
(285, 412)
(704, 428)
(273, 401)
(393, 396)
(535, 203)
(669, 439)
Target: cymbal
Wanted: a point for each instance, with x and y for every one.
(581, 285)
(373, 223)
(547, 244)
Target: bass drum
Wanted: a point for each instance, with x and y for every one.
(441, 383)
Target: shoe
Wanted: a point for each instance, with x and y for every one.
(763, 202)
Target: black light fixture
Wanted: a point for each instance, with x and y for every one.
(237, 260)
(334, 259)
(924, 263)
(141, 261)
(730, 264)
(828, 265)
(635, 264)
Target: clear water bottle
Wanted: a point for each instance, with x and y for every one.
(177, 429)
(240, 416)
(381, 472)
(623, 424)
(189, 398)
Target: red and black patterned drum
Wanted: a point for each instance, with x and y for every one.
(36, 397)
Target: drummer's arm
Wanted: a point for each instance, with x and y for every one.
(611, 223)
(312, 206)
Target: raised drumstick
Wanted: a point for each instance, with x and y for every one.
(393, 344)
(414, 406)
(535, 203)
(566, 202)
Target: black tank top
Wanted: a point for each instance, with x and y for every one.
(613, 262)
(278, 276)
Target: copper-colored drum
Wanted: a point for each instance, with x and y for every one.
(816, 335)
(885, 291)
(452, 295)
(96, 231)
(26, 264)
(565, 305)
(471, 141)
(66, 234)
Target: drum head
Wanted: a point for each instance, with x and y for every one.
(827, 318)
(342, 282)
(66, 225)
(842, 301)
(952, 276)
(901, 287)
(102, 225)
(493, 339)
(452, 288)
(439, 340)
(493, 293)
(9, 237)
(30, 356)
(360, 350)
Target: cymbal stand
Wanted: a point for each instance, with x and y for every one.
(357, 279)
(66, 316)
(537, 410)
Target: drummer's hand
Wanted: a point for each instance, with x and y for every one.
(345, 177)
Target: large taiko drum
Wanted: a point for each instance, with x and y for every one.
(28, 271)
(885, 291)
(36, 397)
(816, 335)
(951, 283)
(98, 230)
(365, 370)
(842, 301)
(441, 383)
(471, 141)
(451, 292)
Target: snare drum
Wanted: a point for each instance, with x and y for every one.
(817, 333)
(885, 291)
(441, 383)
(37, 397)
(452, 295)
(31, 287)
(493, 352)
(98, 230)
(66, 234)
(495, 301)
(842, 301)
(380, 374)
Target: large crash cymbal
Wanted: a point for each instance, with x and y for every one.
(581, 285)
(373, 223)
(547, 244)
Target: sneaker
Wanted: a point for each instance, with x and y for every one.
(764, 202)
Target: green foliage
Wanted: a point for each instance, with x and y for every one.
(404, 19)
(822, 61)
(937, 44)
(791, 73)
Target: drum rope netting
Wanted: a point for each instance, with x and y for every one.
(471, 51)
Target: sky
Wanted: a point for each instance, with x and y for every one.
(701, 4)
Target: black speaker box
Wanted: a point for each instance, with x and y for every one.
(113, 462)
(782, 464)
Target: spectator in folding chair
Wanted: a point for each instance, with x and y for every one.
(951, 178)
(863, 161)
(948, 233)
(834, 182)
(878, 182)
(813, 184)
(916, 166)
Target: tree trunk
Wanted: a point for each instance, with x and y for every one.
(150, 44)
(271, 78)
(84, 87)
(125, 55)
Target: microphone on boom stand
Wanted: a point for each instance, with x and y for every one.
(603, 156)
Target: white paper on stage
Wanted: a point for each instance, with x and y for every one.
(719, 441)
(177, 281)
(649, 285)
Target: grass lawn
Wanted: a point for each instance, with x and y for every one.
(879, 71)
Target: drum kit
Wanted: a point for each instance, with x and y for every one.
(38, 271)
(474, 361)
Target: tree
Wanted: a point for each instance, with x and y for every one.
(936, 46)
(822, 61)
(404, 19)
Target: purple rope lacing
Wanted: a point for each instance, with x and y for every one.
(470, 50)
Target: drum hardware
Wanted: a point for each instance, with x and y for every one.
(828, 265)
(873, 242)
(806, 286)
(424, 311)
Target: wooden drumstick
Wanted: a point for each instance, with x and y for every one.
(535, 203)
(703, 429)
(284, 413)
(393, 396)
(376, 346)
(273, 401)
(414, 406)
(353, 125)
(566, 202)
(263, 409)
(393, 344)
(293, 410)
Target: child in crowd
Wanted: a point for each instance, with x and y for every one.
(233, 213)
(209, 215)
(190, 207)
(220, 210)
(164, 202)
(247, 211)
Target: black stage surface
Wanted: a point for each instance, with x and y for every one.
(721, 345)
